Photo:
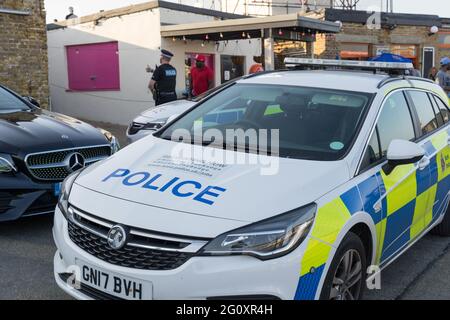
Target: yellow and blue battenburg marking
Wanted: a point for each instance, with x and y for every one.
(411, 201)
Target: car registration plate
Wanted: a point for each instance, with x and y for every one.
(114, 284)
(57, 189)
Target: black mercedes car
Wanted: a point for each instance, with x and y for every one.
(38, 149)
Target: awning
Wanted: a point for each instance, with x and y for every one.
(249, 27)
(354, 54)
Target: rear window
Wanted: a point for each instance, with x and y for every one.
(315, 124)
(424, 108)
(445, 113)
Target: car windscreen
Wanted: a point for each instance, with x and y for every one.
(10, 103)
(211, 91)
(303, 123)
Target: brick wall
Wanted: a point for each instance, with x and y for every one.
(443, 51)
(23, 49)
(329, 46)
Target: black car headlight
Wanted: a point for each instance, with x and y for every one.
(7, 164)
(135, 127)
(63, 202)
(267, 239)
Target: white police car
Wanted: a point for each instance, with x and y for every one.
(348, 171)
(151, 120)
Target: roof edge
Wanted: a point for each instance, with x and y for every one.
(139, 8)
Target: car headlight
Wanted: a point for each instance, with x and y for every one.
(135, 127)
(115, 145)
(63, 202)
(7, 164)
(267, 239)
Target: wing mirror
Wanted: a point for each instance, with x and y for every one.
(33, 101)
(402, 152)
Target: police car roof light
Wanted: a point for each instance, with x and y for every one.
(390, 67)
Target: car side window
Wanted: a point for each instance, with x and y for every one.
(373, 154)
(443, 109)
(425, 112)
(395, 122)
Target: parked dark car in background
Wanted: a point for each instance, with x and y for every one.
(38, 149)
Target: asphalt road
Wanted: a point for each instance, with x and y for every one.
(27, 249)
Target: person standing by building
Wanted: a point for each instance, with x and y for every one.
(201, 78)
(256, 67)
(164, 80)
(433, 74)
(443, 77)
(71, 14)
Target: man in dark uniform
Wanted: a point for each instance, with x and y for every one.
(163, 82)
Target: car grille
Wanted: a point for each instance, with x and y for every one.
(144, 250)
(52, 165)
(45, 203)
(88, 290)
(5, 201)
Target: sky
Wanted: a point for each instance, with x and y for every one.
(58, 9)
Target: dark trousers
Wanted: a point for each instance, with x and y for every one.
(165, 98)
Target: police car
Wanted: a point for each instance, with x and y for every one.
(356, 171)
(153, 119)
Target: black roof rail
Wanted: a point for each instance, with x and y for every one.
(420, 79)
(248, 76)
(407, 78)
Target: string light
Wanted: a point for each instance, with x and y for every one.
(243, 34)
(207, 37)
(221, 35)
(280, 32)
(184, 38)
(174, 39)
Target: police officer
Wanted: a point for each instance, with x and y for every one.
(163, 82)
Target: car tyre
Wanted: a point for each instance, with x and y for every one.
(443, 229)
(346, 279)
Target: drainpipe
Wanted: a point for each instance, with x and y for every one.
(16, 12)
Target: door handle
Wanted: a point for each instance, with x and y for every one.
(424, 163)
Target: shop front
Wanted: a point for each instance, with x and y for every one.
(232, 47)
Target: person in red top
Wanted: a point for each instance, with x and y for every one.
(201, 78)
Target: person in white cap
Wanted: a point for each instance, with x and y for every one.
(443, 77)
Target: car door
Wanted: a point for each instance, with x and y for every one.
(433, 139)
(398, 221)
(433, 117)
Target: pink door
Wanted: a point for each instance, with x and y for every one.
(93, 67)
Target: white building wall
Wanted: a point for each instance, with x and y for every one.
(140, 41)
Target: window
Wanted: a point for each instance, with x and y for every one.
(314, 124)
(93, 67)
(424, 108)
(9, 103)
(373, 154)
(443, 109)
(444, 40)
(354, 51)
(395, 122)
